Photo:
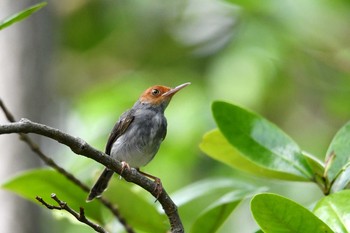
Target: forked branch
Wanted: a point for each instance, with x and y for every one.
(79, 216)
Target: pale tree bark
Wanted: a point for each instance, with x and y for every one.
(25, 50)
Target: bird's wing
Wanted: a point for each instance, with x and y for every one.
(119, 128)
(165, 131)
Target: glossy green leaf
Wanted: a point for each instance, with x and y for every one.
(260, 141)
(195, 198)
(259, 231)
(334, 210)
(317, 166)
(277, 214)
(208, 186)
(43, 183)
(137, 206)
(215, 145)
(341, 182)
(339, 153)
(21, 15)
(214, 215)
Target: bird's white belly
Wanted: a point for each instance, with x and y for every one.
(125, 150)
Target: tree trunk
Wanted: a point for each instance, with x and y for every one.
(25, 49)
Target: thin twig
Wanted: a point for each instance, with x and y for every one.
(48, 161)
(47, 205)
(79, 216)
(81, 147)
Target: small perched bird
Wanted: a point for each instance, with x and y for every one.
(136, 137)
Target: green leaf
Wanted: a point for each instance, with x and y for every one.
(341, 182)
(208, 186)
(318, 167)
(21, 15)
(247, 4)
(215, 145)
(334, 210)
(132, 201)
(214, 216)
(260, 141)
(339, 154)
(277, 214)
(44, 182)
(195, 198)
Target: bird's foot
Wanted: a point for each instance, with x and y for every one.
(125, 165)
(159, 188)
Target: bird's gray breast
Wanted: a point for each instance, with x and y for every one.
(141, 141)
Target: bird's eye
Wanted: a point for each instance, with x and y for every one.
(155, 92)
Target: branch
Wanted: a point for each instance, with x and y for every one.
(48, 161)
(79, 216)
(80, 147)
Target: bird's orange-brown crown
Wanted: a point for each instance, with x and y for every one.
(156, 95)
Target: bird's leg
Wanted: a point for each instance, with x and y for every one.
(124, 165)
(159, 185)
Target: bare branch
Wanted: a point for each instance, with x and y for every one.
(79, 216)
(48, 161)
(80, 147)
(47, 205)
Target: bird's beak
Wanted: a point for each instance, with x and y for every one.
(172, 91)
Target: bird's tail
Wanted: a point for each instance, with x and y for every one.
(100, 185)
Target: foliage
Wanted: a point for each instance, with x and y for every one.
(278, 214)
(21, 15)
(266, 147)
(31, 183)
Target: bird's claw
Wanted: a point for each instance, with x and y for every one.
(125, 165)
(158, 189)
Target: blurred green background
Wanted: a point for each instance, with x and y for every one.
(287, 60)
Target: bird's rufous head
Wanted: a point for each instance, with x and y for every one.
(158, 95)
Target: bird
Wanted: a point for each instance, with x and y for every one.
(137, 135)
